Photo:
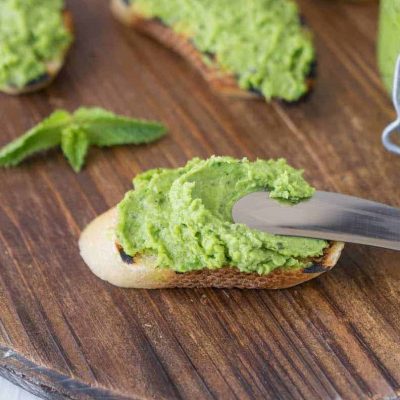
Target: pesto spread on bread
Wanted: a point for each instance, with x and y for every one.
(262, 42)
(183, 216)
(32, 34)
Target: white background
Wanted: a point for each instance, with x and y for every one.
(8, 391)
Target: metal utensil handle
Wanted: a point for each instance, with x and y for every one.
(394, 127)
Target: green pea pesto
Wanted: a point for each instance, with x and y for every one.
(183, 216)
(262, 43)
(32, 34)
(388, 40)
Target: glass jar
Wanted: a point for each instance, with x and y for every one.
(388, 40)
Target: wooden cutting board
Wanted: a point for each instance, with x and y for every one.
(66, 334)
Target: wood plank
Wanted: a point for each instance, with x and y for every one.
(66, 334)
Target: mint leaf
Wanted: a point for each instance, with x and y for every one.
(75, 145)
(76, 132)
(43, 136)
(108, 129)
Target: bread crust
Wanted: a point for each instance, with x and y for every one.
(101, 253)
(53, 67)
(220, 81)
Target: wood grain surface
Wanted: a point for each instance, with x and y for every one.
(66, 334)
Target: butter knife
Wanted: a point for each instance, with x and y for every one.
(330, 216)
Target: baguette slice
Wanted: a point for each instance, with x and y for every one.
(53, 67)
(107, 260)
(220, 81)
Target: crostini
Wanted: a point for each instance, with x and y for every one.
(279, 62)
(34, 66)
(175, 230)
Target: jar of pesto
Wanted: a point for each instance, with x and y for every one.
(388, 40)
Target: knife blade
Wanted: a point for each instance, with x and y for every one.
(330, 216)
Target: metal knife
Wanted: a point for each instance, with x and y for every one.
(326, 215)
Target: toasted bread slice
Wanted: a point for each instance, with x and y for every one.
(220, 81)
(53, 67)
(107, 260)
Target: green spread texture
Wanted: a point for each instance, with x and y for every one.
(183, 216)
(262, 42)
(388, 40)
(32, 33)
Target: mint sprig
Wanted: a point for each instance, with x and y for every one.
(76, 132)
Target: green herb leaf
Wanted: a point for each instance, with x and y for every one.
(76, 132)
(108, 129)
(75, 145)
(42, 137)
